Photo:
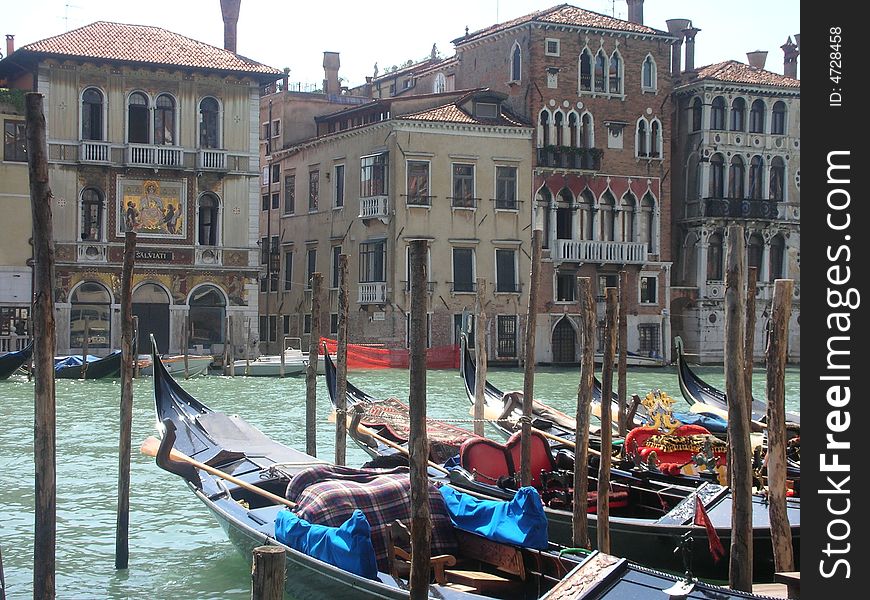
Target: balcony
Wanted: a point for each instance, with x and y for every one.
(211, 160)
(375, 207)
(566, 157)
(373, 293)
(149, 155)
(94, 152)
(742, 208)
(586, 251)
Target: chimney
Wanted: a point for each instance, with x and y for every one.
(367, 88)
(331, 63)
(791, 52)
(230, 12)
(675, 28)
(757, 59)
(285, 81)
(690, 32)
(10, 44)
(635, 11)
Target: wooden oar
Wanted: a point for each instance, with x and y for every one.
(151, 445)
(564, 441)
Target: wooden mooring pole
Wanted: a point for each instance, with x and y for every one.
(622, 364)
(311, 373)
(529, 365)
(122, 522)
(480, 357)
(44, 432)
(85, 340)
(2, 577)
(421, 526)
(777, 350)
(185, 342)
(341, 358)
(231, 353)
(226, 360)
(268, 571)
(608, 352)
(584, 403)
(740, 448)
(135, 347)
(749, 353)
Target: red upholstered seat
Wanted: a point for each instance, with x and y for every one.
(541, 456)
(485, 457)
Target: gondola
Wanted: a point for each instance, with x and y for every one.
(12, 361)
(71, 367)
(648, 514)
(222, 444)
(698, 392)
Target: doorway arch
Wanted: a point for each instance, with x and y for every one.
(564, 342)
(151, 305)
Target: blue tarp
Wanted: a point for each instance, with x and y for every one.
(347, 547)
(520, 522)
(72, 361)
(713, 423)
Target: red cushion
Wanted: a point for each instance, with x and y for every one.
(541, 458)
(485, 457)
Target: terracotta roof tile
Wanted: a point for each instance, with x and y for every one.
(733, 71)
(144, 44)
(564, 14)
(450, 113)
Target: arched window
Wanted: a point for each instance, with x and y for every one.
(91, 310)
(777, 258)
(516, 63)
(209, 224)
(642, 139)
(440, 83)
(544, 128)
(738, 115)
(137, 118)
(615, 73)
(756, 168)
(585, 213)
(736, 178)
(209, 123)
(693, 177)
(647, 224)
(756, 117)
(717, 177)
(717, 113)
(777, 125)
(207, 316)
(573, 137)
(600, 72)
(777, 179)
(649, 77)
(542, 214)
(697, 114)
(714, 257)
(164, 120)
(585, 70)
(564, 215)
(92, 115)
(607, 207)
(559, 121)
(587, 134)
(655, 138)
(755, 250)
(92, 215)
(627, 207)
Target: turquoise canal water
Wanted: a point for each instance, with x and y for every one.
(177, 551)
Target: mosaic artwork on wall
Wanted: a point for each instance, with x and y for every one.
(152, 208)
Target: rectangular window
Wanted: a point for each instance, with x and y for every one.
(265, 205)
(551, 47)
(339, 186)
(276, 200)
(463, 186)
(463, 270)
(506, 271)
(507, 336)
(336, 252)
(289, 194)
(276, 128)
(458, 328)
(604, 282)
(306, 324)
(276, 173)
(372, 259)
(267, 131)
(313, 190)
(264, 250)
(13, 320)
(274, 264)
(565, 287)
(14, 141)
(506, 188)
(373, 176)
(265, 180)
(650, 338)
(269, 328)
(418, 183)
(333, 323)
(486, 110)
(288, 270)
(286, 321)
(310, 266)
(648, 290)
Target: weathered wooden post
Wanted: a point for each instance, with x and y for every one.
(608, 352)
(584, 402)
(341, 360)
(421, 526)
(135, 347)
(740, 448)
(44, 432)
(226, 345)
(529, 368)
(622, 365)
(122, 526)
(480, 356)
(231, 357)
(268, 571)
(85, 349)
(777, 349)
(248, 349)
(749, 358)
(185, 342)
(311, 373)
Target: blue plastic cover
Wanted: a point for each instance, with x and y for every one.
(72, 361)
(520, 521)
(347, 547)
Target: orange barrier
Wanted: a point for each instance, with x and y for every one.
(360, 356)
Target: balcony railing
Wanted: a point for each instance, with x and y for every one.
(373, 293)
(741, 208)
(430, 286)
(419, 201)
(149, 155)
(375, 207)
(587, 251)
(463, 287)
(463, 202)
(91, 151)
(566, 157)
(211, 160)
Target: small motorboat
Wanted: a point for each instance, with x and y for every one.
(295, 362)
(174, 363)
(93, 367)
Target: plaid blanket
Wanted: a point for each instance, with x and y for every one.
(328, 495)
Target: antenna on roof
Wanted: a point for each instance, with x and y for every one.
(67, 6)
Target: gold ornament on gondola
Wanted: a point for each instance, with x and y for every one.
(658, 406)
